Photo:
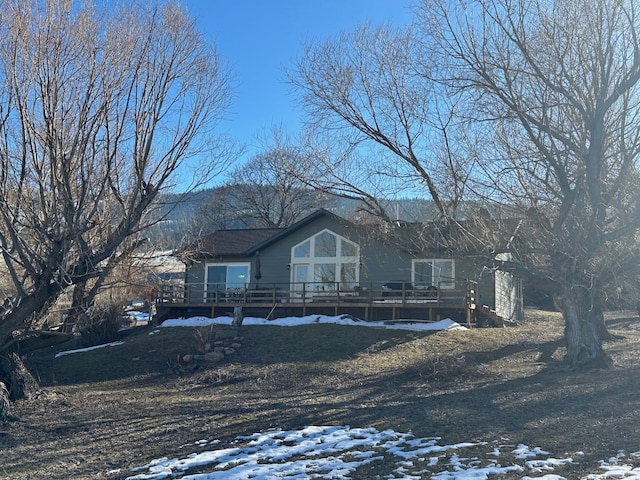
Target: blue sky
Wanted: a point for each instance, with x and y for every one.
(258, 38)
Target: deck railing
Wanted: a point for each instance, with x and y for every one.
(463, 294)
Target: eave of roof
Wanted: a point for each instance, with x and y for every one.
(246, 242)
(411, 237)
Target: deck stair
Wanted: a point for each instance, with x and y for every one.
(492, 317)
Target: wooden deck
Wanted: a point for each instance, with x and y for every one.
(275, 301)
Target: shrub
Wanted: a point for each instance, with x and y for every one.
(101, 325)
(204, 338)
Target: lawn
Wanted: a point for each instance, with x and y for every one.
(105, 411)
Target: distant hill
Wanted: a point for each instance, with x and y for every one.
(184, 214)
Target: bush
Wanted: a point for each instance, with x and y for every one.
(204, 338)
(102, 325)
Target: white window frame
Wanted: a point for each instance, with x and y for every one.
(312, 260)
(227, 265)
(444, 286)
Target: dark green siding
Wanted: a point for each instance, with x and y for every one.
(380, 262)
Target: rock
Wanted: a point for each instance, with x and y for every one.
(225, 334)
(213, 356)
(235, 345)
(229, 351)
(187, 358)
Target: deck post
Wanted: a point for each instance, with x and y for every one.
(304, 299)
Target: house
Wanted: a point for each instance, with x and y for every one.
(325, 264)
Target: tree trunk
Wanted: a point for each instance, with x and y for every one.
(238, 317)
(5, 404)
(77, 309)
(15, 375)
(584, 328)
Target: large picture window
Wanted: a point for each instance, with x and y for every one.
(435, 272)
(324, 261)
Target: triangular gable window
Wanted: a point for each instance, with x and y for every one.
(325, 261)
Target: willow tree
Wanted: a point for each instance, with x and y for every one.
(381, 127)
(548, 91)
(99, 111)
(556, 85)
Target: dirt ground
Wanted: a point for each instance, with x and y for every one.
(120, 407)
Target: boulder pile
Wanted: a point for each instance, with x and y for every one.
(222, 344)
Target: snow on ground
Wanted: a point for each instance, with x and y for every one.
(86, 349)
(334, 452)
(446, 324)
(329, 452)
(140, 318)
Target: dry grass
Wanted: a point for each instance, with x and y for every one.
(120, 407)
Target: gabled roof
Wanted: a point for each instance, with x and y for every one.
(415, 238)
(246, 242)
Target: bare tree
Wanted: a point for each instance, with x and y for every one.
(555, 85)
(532, 104)
(385, 128)
(265, 191)
(98, 111)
